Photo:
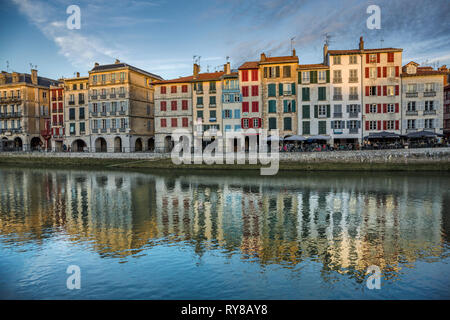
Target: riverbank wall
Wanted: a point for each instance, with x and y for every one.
(427, 159)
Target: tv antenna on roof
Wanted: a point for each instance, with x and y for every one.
(228, 59)
(7, 65)
(292, 43)
(327, 38)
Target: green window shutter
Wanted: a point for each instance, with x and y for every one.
(272, 106)
(280, 89)
(300, 77)
(293, 88)
(316, 111)
(285, 106)
(320, 94)
(328, 76)
(308, 94)
(305, 94)
(306, 128)
(293, 105)
(272, 90)
(322, 127)
(328, 111)
(311, 77)
(272, 123)
(306, 114)
(287, 123)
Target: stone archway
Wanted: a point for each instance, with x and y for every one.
(151, 144)
(138, 145)
(35, 144)
(18, 144)
(117, 144)
(168, 144)
(101, 145)
(78, 146)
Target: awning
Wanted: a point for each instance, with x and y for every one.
(319, 137)
(382, 135)
(295, 138)
(421, 134)
(274, 138)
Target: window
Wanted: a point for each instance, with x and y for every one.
(411, 124)
(237, 98)
(212, 87)
(337, 124)
(390, 124)
(353, 60)
(81, 113)
(336, 59)
(390, 90)
(373, 108)
(244, 74)
(174, 122)
(184, 88)
(337, 76)
(212, 115)
(199, 87)
(83, 126)
(353, 93)
(411, 106)
(173, 105)
(305, 77)
(199, 102)
(272, 90)
(305, 94)
(212, 101)
(353, 124)
(286, 71)
(322, 111)
(353, 76)
(122, 76)
(113, 78)
(287, 123)
(94, 79)
(184, 104)
(391, 72)
(429, 123)
(372, 58)
(245, 91)
(163, 105)
(373, 73)
(353, 108)
(306, 127)
(245, 106)
(372, 125)
(322, 93)
(322, 76)
(390, 57)
(412, 88)
(227, 114)
(245, 123)
(163, 90)
(103, 77)
(185, 122)
(71, 114)
(429, 105)
(390, 108)
(287, 89)
(254, 75)
(272, 106)
(272, 123)
(255, 123)
(322, 127)
(72, 128)
(226, 98)
(429, 87)
(373, 91)
(163, 123)
(74, 87)
(200, 114)
(173, 89)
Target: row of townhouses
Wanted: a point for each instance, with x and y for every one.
(349, 95)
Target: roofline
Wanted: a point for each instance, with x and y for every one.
(127, 66)
(358, 51)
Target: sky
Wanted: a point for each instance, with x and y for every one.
(162, 36)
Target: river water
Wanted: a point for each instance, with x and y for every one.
(184, 235)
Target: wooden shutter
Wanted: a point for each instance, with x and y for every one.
(384, 90)
(379, 75)
(396, 108)
(367, 73)
(384, 72)
(293, 88)
(280, 89)
(367, 91)
(397, 124)
(316, 111)
(299, 77)
(378, 57)
(379, 108)
(367, 58)
(328, 76)
(384, 108)
(328, 110)
(397, 71)
(379, 125)
(397, 90)
(367, 126)
(379, 91)
(367, 108)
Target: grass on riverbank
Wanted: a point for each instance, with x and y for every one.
(166, 164)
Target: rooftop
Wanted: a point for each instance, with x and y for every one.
(120, 65)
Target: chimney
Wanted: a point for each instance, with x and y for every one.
(361, 43)
(263, 56)
(2, 78)
(325, 53)
(117, 61)
(293, 52)
(96, 64)
(196, 70)
(227, 68)
(78, 74)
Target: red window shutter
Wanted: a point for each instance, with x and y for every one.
(397, 122)
(163, 105)
(259, 122)
(367, 72)
(367, 91)
(379, 75)
(184, 88)
(244, 75)
(250, 123)
(367, 58)
(163, 123)
(367, 126)
(245, 106)
(367, 108)
(61, 119)
(254, 91)
(184, 104)
(396, 108)
(379, 91)
(397, 71)
(55, 119)
(379, 108)
(384, 90)
(390, 57)
(242, 123)
(163, 90)
(378, 57)
(174, 122)
(379, 125)
(384, 108)
(254, 75)
(173, 89)
(384, 125)
(185, 122)
(245, 91)
(255, 107)
(397, 90)
(174, 105)
(384, 72)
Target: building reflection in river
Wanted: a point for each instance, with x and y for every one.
(346, 223)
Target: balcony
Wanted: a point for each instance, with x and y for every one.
(353, 97)
(121, 95)
(213, 105)
(81, 102)
(10, 99)
(103, 130)
(353, 114)
(122, 130)
(212, 91)
(112, 113)
(112, 96)
(353, 130)
(103, 114)
(337, 97)
(429, 94)
(71, 103)
(122, 113)
(94, 130)
(412, 94)
(337, 115)
(113, 130)
(412, 113)
(103, 96)
(199, 91)
(94, 114)
(337, 80)
(212, 119)
(353, 80)
(429, 112)
(94, 97)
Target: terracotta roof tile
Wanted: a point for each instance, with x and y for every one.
(424, 73)
(250, 65)
(279, 59)
(355, 51)
(312, 66)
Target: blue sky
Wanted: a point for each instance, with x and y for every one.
(161, 36)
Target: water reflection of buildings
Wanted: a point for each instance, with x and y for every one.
(344, 223)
